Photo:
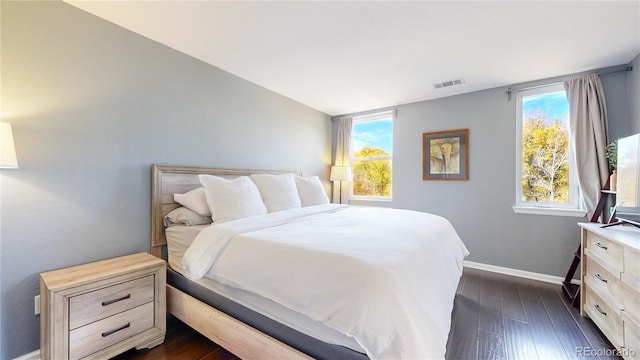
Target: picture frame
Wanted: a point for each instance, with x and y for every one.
(445, 155)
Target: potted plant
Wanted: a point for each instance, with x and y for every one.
(612, 155)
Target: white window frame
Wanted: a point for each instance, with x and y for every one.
(574, 207)
(366, 118)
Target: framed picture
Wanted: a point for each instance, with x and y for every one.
(445, 155)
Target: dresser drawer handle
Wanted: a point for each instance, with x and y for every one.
(109, 302)
(599, 277)
(601, 246)
(107, 333)
(600, 309)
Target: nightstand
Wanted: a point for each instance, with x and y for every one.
(101, 309)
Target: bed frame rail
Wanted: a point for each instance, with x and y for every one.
(226, 331)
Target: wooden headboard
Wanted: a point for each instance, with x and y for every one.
(167, 180)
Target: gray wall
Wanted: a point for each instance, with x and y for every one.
(481, 208)
(92, 107)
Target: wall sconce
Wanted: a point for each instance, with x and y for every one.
(8, 159)
(340, 173)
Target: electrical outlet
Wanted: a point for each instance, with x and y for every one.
(36, 304)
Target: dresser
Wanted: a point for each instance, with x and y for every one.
(101, 309)
(610, 293)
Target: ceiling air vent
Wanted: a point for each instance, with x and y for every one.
(445, 84)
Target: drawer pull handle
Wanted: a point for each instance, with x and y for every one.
(599, 277)
(601, 246)
(600, 310)
(109, 302)
(107, 333)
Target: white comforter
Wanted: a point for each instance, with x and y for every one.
(385, 277)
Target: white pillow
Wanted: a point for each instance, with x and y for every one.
(194, 200)
(311, 191)
(278, 191)
(185, 216)
(232, 199)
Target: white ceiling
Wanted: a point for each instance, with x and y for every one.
(345, 57)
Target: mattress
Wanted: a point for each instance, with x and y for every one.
(385, 277)
(180, 237)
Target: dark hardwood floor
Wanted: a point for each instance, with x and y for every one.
(504, 317)
(495, 317)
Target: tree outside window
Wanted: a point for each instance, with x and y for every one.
(372, 155)
(546, 167)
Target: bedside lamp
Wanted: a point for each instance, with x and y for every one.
(8, 159)
(340, 173)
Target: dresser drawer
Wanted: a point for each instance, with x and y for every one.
(631, 273)
(99, 304)
(611, 252)
(631, 302)
(631, 338)
(88, 339)
(605, 317)
(608, 286)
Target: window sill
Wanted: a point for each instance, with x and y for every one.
(364, 201)
(539, 210)
(370, 198)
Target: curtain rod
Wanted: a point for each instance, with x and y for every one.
(628, 68)
(534, 87)
(510, 90)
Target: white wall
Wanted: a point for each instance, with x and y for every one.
(92, 107)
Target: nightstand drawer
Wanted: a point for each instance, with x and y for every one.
(607, 250)
(99, 304)
(88, 339)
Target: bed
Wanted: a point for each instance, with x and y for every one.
(235, 283)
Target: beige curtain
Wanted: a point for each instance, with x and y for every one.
(343, 147)
(589, 134)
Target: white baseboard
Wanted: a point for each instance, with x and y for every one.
(30, 356)
(518, 273)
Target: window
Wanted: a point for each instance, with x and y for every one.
(546, 176)
(371, 156)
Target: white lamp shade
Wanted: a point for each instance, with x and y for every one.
(340, 173)
(8, 159)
